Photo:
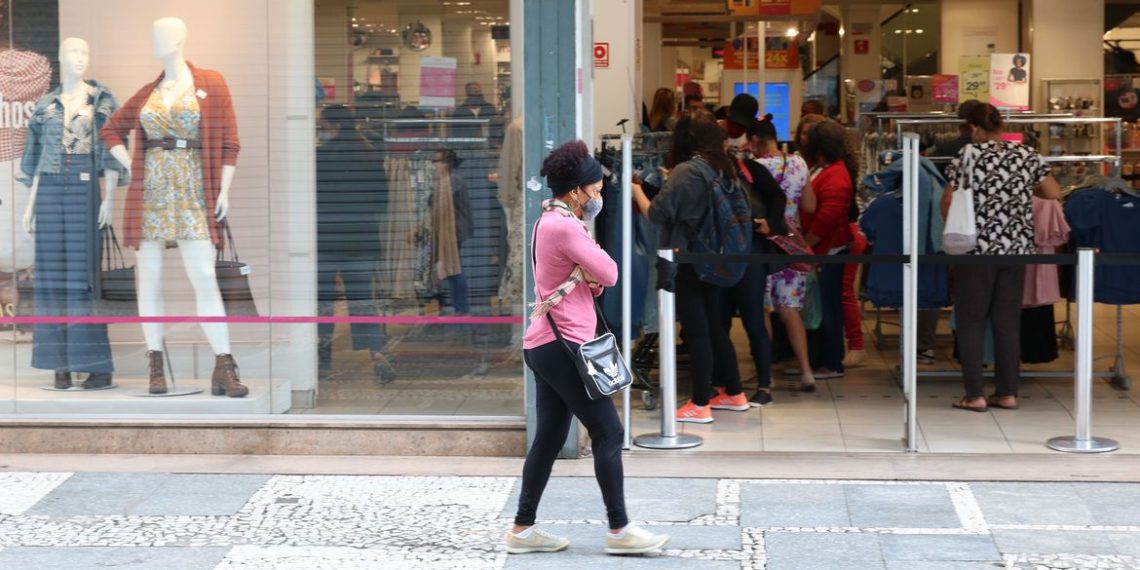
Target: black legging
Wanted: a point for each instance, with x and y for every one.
(560, 393)
(700, 309)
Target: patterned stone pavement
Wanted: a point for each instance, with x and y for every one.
(190, 522)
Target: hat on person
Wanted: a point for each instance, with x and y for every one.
(743, 110)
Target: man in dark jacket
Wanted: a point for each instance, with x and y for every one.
(351, 196)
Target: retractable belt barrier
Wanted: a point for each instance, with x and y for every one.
(1085, 260)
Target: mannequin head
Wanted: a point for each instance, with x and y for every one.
(73, 58)
(169, 37)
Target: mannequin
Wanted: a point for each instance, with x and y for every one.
(185, 202)
(64, 210)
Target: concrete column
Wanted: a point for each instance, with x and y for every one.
(860, 23)
(1066, 43)
(615, 87)
(978, 27)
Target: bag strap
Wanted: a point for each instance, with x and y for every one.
(111, 250)
(229, 238)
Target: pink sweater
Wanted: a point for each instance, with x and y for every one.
(563, 244)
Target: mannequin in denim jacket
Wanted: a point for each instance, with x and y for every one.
(74, 56)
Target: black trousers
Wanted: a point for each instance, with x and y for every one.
(825, 344)
(560, 395)
(989, 293)
(700, 308)
(355, 273)
(747, 298)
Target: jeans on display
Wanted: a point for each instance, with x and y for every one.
(67, 264)
(747, 298)
(559, 396)
(825, 344)
(700, 309)
(990, 293)
(457, 285)
(356, 273)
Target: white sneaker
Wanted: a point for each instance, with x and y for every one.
(635, 540)
(537, 541)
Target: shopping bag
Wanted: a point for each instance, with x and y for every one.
(233, 279)
(960, 236)
(115, 294)
(812, 311)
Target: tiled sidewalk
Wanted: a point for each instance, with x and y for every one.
(189, 522)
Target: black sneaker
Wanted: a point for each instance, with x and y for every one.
(760, 398)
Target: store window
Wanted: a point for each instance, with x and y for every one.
(311, 206)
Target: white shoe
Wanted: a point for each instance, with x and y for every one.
(635, 540)
(537, 541)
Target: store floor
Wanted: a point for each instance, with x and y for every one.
(863, 412)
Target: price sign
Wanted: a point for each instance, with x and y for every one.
(974, 78)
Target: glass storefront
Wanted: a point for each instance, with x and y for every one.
(360, 153)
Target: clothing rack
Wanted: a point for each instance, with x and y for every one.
(1117, 372)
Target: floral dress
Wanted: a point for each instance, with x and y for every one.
(174, 198)
(786, 287)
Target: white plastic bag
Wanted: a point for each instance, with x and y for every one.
(960, 235)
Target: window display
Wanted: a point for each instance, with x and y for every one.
(373, 213)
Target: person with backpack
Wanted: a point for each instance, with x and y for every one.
(703, 208)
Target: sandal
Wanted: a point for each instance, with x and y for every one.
(995, 401)
(964, 404)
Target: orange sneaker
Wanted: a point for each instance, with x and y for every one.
(722, 401)
(695, 414)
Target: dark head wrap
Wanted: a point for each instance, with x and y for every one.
(589, 172)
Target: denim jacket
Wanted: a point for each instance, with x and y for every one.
(43, 146)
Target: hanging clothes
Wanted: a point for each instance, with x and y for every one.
(1038, 335)
(1110, 222)
(511, 199)
(406, 270)
(1042, 282)
(445, 252)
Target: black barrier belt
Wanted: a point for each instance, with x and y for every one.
(874, 259)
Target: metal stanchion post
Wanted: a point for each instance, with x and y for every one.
(1083, 441)
(667, 363)
(627, 279)
(909, 342)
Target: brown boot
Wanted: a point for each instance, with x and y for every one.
(226, 381)
(157, 373)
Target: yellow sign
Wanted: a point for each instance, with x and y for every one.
(974, 78)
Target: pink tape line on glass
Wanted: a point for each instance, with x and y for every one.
(264, 320)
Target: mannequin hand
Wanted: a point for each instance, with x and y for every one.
(105, 214)
(29, 220)
(223, 206)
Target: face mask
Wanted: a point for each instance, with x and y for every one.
(592, 209)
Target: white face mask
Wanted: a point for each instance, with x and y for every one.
(592, 209)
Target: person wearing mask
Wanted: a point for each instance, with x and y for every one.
(748, 296)
(827, 231)
(570, 270)
(784, 290)
(1004, 177)
(351, 197)
(663, 115)
(697, 158)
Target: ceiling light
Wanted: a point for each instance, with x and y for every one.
(792, 32)
(898, 31)
(919, 31)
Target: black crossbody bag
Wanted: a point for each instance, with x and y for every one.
(599, 361)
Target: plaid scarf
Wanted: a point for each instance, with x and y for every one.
(541, 308)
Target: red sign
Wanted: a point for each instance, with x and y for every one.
(601, 54)
(781, 53)
(734, 54)
(775, 7)
(862, 47)
(945, 88)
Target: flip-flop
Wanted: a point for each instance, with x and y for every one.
(995, 402)
(961, 405)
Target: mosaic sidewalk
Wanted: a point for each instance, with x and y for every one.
(189, 522)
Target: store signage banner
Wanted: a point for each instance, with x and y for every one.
(734, 54)
(944, 88)
(773, 7)
(781, 53)
(437, 82)
(974, 77)
(1009, 81)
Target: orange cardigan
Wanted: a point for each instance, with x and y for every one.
(220, 147)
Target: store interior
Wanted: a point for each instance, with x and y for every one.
(879, 97)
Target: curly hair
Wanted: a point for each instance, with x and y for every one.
(827, 143)
(697, 133)
(564, 161)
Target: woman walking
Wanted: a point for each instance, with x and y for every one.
(570, 269)
(1004, 176)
